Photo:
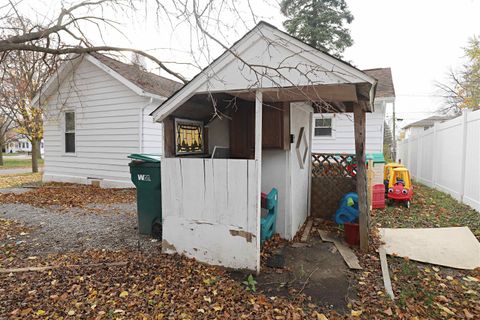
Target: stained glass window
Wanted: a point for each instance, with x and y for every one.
(188, 136)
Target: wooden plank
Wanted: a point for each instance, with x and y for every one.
(193, 187)
(252, 194)
(171, 203)
(237, 193)
(359, 126)
(347, 254)
(306, 231)
(220, 189)
(385, 273)
(209, 193)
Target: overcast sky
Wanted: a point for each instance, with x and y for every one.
(421, 40)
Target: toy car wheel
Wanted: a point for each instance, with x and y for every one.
(407, 204)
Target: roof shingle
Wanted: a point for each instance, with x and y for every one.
(385, 86)
(148, 81)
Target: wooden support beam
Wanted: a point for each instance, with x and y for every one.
(364, 212)
(258, 161)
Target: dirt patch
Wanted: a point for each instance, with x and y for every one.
(313, 272)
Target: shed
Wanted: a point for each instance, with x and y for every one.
(243, 126)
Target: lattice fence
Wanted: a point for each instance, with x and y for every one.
(333, 175)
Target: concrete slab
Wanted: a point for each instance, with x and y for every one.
(454, 247)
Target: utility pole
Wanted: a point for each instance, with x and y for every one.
(394, 135)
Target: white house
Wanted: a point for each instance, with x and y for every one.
(333, 132)
(19, 143)
(255, 103)
(97, 113)
(418, 127)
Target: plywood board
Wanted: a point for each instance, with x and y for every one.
(454, 247)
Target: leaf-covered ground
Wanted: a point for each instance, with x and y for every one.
(430, 209)
(69, 195)
(422, 291)
(155, 286)
(17, 180)
(149, 286)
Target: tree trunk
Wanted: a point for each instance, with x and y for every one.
(39, 153)
(2, 144)
(34, 155)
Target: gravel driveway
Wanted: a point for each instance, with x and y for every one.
(114, 227)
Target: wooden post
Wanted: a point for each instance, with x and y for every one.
(359, 125)
(258, 161)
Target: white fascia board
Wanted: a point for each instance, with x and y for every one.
(123, 80)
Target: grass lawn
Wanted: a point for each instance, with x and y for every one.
(10, 162)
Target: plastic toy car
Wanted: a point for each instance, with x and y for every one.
(400, 187)
(388, 171)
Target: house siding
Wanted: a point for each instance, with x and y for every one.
(107, 118)
(343, 140)
(152, 134)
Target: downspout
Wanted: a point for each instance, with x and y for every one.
(140, 132)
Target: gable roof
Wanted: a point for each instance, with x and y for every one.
(430, 121)
(142, 82)
(385, 88)
(148, 81)
(339, 70)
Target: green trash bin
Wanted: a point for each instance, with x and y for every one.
(145, 175)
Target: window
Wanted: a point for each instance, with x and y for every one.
(69, 132)
(323, 127)
(188, 136)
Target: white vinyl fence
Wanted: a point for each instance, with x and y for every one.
(447, 157)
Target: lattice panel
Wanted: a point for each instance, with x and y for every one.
(333, 175)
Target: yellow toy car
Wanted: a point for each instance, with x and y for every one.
(400, 188)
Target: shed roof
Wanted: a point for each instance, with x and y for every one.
(148, 81)
(385, 86)
(430, 121)
(267, 58)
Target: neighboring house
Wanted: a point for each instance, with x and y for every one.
(97, 113)
(417, 127)
(20, 143)
(333, 132)
(255, 103)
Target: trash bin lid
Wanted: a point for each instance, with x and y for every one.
(145, 157)
(376, 157)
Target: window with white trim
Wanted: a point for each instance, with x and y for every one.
(323, 127)
(69, 132)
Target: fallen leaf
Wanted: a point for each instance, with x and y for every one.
(355, 313)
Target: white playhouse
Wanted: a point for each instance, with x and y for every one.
(242, 126)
